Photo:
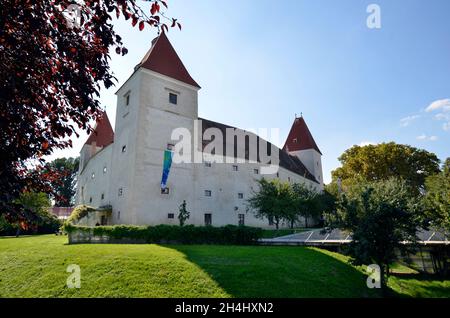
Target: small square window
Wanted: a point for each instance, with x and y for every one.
(173, 98)
(295, 140)
(235, 168)
(208, 193)
(165, 191)
(236, 208)
(255, 171)
(120, 192)
(124, 148)
(208, 164)
(170, 216)
(240, 195)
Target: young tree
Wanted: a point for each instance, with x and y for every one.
(437, 198)
(51, 73)
(304, 198)
(386, 160)
(381, 216)
(64, 188)
(273, 201)
(184, 215)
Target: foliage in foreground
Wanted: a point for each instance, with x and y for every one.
(43, 222)
(381, 215)
(189, 234)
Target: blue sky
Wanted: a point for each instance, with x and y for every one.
(260, 62)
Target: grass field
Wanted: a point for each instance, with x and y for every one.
(36, 267)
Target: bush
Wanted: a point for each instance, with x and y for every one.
(78, 213)
(227, 235)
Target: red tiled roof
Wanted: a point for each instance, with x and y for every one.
(300, 137)
(103, 134)
(163, 59)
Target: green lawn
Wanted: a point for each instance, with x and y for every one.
(36, 267)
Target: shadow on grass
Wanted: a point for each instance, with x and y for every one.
(276, 272)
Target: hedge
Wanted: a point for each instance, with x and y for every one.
(189, 234)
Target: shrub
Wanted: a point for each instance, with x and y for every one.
(227, 235)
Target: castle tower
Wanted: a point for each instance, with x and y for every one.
(159, 97)
(301, 143)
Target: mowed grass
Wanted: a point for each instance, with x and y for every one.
(36, 267)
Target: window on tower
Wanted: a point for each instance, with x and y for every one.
(173, 98)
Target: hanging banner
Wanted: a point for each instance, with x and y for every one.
(166, 168)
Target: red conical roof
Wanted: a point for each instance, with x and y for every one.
(300, 137)
(163, 59)
(103, 134)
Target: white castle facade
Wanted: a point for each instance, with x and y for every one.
(123, 169)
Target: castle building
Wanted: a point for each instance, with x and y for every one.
(124, 169)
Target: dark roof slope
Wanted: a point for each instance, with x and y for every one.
(287, 161)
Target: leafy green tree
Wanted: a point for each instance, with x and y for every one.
(306, 202)
(184, 215)
(273, 201)
(386, 160)
(64, 187)
(43, 222)
(437, 198)
(381, 216)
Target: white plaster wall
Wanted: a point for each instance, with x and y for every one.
(95, 187)
(312, 161)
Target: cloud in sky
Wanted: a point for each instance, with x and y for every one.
(441, 105)
(404, 122)
(366, 143)
(424, 137)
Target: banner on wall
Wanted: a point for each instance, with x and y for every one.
(166, 168)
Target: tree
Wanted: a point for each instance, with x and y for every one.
(38, 203)
(437, 198)
(64, 188)
(381, 216)
(306, 203)
(273, 201)
(184, 215)
(383, 161)
(52, 71)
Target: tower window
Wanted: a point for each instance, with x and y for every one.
(173, 98)
(90, 200)
(124, 148)
(127, 99)
(295, 140)
(208, 193)
(104, 169)
(241, 219)
(103, 196)
(208, 219)
(93, 175)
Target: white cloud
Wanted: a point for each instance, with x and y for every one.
(366, 143)
(404, 122)
(441, 105)
(424, 137)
